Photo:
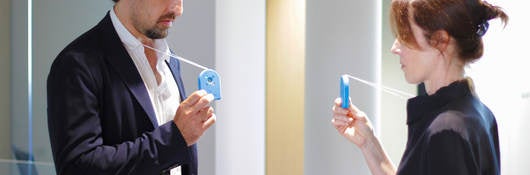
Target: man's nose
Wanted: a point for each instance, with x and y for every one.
(177, 7)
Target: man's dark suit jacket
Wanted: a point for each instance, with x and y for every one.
(100, 116)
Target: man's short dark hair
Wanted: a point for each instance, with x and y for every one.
(115, 0)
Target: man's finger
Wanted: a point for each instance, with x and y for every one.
(209, 122)
(193, 98)
(203, 102)
(210, 111)
(205, 113)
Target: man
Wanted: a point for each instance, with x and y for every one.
(113, 104)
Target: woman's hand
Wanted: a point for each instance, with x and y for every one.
(352, 123)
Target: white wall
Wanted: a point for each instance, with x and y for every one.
(502, 83)
(341, 37)
(240, 60)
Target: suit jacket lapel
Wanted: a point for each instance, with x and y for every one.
(120, 60)
(174, 66)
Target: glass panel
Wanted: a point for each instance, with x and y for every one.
(37, 32)
(26, 168)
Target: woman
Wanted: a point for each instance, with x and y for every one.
(449, 130)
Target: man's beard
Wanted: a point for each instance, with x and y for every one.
(155, 33)
(158, 33)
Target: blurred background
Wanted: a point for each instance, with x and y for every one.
(280, 63)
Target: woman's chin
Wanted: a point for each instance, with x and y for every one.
(412, 80)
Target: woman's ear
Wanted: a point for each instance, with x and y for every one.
(440, 40)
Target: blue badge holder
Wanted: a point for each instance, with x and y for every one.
(209, 81)
(345, 91)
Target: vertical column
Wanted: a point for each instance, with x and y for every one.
(20, 98)
(342, 37)
(5, 81)
(285, 86)
(19, 76)
(240, 60)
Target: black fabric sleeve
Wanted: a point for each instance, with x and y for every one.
(449, 153)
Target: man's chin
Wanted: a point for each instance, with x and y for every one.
(156, 34)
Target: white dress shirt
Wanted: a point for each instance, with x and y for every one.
(165, 96)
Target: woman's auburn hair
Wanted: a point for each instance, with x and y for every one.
(461, 19)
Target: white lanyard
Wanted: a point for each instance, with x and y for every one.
(209, 79)
(177, 57)
(391, 91)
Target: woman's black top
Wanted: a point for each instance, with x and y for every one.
(450, 132)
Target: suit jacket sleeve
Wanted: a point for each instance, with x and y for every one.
(75, 125)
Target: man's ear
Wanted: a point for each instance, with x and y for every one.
(440, 40)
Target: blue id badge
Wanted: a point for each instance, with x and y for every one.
(209, 81)
(345, 91)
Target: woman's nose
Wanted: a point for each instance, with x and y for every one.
(396, 47)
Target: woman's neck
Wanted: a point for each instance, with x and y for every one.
(444, 77)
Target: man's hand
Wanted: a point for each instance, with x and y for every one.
(194, 116)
